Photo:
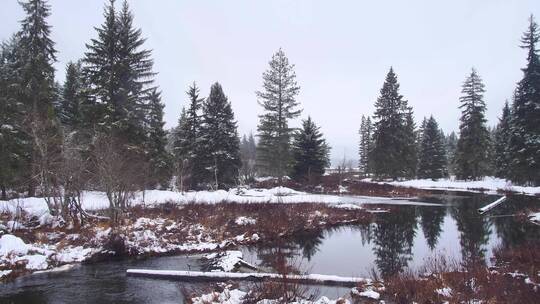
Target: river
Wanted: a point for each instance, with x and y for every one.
(403, 237)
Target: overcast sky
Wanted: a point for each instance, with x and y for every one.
(342, 51)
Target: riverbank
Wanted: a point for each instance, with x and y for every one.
(32, 244)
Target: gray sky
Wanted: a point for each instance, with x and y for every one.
(342, 51)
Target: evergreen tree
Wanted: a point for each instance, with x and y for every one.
(502, 137)
(37, 54)
(365, 145)
(248, 156)
(451, 146)
(180, 154)
(135, 78)
(12, 138)
(120, 74)
(72, 97)
(310, 152)
(219, 140)
(36, 87)
(471, 154)
(101, 69)
(393, 135)
(159, 159)
(187, 144)
(524, 143)
(432, 161)
(409, 144)
(278, 98)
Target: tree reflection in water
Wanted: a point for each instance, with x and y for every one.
(393, 239)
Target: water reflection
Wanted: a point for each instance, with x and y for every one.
(394, 239)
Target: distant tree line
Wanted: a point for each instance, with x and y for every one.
(392, 147)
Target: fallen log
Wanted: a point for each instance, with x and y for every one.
(191, 276)
(492, 205)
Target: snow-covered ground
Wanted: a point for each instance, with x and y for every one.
(93, 200)
(489, 184)
(236, 296)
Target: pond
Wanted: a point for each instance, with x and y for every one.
(403, 237)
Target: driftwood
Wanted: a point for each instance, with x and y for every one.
(492, 205)
(191, 276)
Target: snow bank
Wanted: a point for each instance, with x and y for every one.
(93, 200)
(236, 296)
(10, 244)
(488, 183)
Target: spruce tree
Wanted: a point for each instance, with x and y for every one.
(473, 143)
(159, 159)
(278, 98)
(180, 154)
(524, 143)
(187, 144)
(248, 156)
(310, 152)
(432, 160)
(393, 132)
(409, 144)
(72, 97)
(502, 137)
(219, 140)
(101, 69)
(120, 74)
(37, 90)
(12, 114)
(451, 147)
(37, 54)
(135, 78)
(365, 145)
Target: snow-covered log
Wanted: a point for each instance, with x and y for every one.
(492, 205)
(180, 275)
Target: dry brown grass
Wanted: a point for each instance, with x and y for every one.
(504, 283)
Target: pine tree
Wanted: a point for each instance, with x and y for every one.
(187, 145)
(72, 97)
(502, 137)
(278, 98)
(365, 145)
(219, 140)
(524, 143)
(393, 132)
(432, 160)
(159, 159)
(471, 154)
(310, 152)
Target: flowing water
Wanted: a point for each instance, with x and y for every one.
(403, 237)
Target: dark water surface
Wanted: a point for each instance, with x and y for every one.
(402, 238)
